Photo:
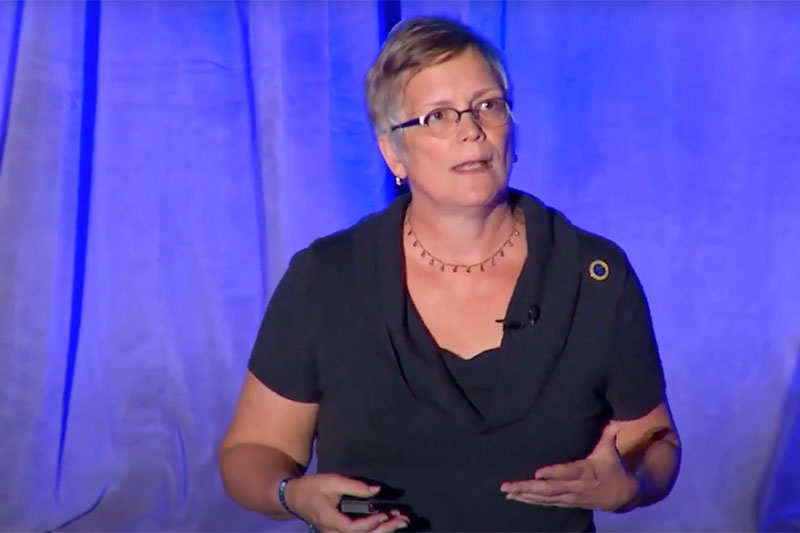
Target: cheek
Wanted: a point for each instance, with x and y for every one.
(503, 145)
(503, 140)
(430, 154)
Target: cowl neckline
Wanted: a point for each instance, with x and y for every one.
(549, 280)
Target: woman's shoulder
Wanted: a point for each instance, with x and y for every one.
(600, 248)
(598, 252)
(347, 246)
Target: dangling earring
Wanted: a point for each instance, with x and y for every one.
(399, 181)
(514, 157)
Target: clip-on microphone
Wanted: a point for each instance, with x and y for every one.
(533, 316)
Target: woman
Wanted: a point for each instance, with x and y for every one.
(467, 353)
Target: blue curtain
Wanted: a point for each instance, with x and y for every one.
(161, 161)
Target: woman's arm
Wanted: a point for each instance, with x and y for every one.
(634, 464)
(269, 439)
(651, 451)
(251, 474)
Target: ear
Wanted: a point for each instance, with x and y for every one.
(391, 156)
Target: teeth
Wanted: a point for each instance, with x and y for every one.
(471, 166)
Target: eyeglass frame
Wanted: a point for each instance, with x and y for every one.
(420, 121)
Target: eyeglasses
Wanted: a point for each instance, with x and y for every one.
(443, 121)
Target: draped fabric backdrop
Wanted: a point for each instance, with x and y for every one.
(161, 161)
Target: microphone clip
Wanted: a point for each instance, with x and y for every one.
(534, 312)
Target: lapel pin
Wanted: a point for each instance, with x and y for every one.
(598, 270)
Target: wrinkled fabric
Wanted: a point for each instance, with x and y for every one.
(780, 503)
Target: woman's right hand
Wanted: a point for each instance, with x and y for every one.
(315, 499)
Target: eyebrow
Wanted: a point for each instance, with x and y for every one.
(477, 94)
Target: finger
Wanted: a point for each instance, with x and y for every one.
(530, 500)
(568, 472)
(540, 488)
(367, 523)
(394, 513)
(333, 520)
(564, 500)
(334, 525)
(376, 522)
(610, 430)
(392, 525)
(563, 471)
(353, 487)
(561, 499)
(608, 439)
(578, 488)
(561, 505)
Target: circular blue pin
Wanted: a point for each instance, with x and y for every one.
(598, 270)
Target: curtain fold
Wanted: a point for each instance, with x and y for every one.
(39, 181)
(779, 508)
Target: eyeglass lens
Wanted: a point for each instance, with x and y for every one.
(489, 113)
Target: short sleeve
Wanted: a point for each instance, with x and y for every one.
(283, 356)
(636, 379)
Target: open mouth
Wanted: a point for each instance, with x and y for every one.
(473, 166)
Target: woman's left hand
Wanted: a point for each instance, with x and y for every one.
(600, 481)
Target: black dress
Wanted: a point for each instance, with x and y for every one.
(441, 434)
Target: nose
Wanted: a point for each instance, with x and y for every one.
(469, 129)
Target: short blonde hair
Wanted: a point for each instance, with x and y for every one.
(411, 46)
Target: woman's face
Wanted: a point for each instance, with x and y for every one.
(471, 166)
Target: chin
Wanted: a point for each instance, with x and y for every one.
(476, 194)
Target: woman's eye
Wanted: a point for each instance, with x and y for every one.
(436, 115)
(488, 105)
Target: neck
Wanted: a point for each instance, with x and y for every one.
(461, 235)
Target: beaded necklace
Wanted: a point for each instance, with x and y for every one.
(434, 261)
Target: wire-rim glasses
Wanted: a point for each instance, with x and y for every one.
(443, 121)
